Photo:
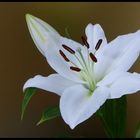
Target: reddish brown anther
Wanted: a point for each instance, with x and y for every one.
(85, 41)
(64, 56)
(68, 49)
(98, 44)
(92, 56)
(75, 69)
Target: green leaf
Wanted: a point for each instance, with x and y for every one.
(137, 135)
(113, 115)
(29, 92)
(49, 113)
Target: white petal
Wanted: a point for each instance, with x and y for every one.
(71, 43)
(127, 84)
(77, 105)
(110, 78)
(101, 67)
(127, 49)
(39, 31)
(43, 24)
(53, 83)
(119, 54)
(94, 33)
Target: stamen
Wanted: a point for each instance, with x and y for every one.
(85, 41)
(75, 69)
(92, 56)
(64, 56)
(98, 44)
(68, 49)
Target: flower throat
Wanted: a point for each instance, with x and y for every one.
(87, 68)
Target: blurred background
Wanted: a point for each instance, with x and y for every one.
(20, 60)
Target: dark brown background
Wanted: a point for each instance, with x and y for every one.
(20, 60)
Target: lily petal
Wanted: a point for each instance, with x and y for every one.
(127, 84)
(119, 54)
(100, 68)
(39, 31)
(110, 78)
(53, 83)
(94, 33)
(71, 43)
(42, 25)
(126, 50)
(77, 105)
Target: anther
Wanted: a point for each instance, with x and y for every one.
(98, 44)
(92, 56)
(64, 56)
(75, 69)
(85, 41)
(68, 49)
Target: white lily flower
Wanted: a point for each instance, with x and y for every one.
(87, 75)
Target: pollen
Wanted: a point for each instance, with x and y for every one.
(92, 56)
(98, 44)
(84, 40)
(75, 69)
(64, 56)
(68, 49)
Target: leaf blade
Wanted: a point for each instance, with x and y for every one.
(29, 92)
(49, 113)
(113, 114)
(137, 134)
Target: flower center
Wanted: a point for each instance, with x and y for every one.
(85, 59)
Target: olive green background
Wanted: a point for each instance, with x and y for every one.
(20, 60)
